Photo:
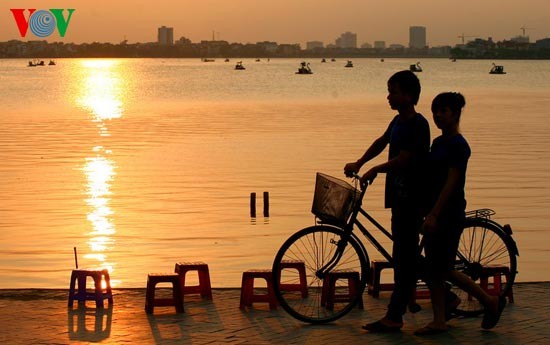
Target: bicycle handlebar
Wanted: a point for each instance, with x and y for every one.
(354, 175)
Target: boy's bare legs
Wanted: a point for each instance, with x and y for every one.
(437, 296)
(405, 260)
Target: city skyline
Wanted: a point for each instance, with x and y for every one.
(289, 22)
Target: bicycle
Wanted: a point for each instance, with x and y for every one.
(331, 247)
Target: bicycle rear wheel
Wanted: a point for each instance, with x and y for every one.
(307, 293)
(487, 254)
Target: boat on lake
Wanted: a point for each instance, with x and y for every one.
(36, 62)
(304, 68)
(349, 64)
(497, 69)
(415, 67)
(239, 66)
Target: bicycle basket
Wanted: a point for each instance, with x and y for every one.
(334, 199)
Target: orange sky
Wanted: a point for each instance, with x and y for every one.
(286, 21)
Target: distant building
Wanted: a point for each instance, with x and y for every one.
(480, 43)
(314, 44)
(289, 49)
(380, 44)
(543, 43)
(396, 46)
(183, 41)
(520, 39)
(212, 48)
(165, 36)
(270, 47)
(417, 37)
(366, 45)
(347, 40)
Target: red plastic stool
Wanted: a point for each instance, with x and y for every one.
(301, 268)
(329, 295)
(247, 289)
(375, 287)
(496, 272)
(177, 297)
(204, 287)
(80, 276)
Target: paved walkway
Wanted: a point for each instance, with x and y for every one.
(42, 317)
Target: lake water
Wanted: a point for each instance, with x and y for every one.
(140, 163)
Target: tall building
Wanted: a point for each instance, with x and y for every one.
(165, 36)
(417, 37)
(347, 40)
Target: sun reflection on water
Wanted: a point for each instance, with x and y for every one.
(100, 173)
(102, 94)
(102, 91)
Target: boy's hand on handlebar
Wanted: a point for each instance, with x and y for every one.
(351, 168)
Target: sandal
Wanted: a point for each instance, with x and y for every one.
(380, 327)
(490, 319)
(429, 330)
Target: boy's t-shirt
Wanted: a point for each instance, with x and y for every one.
(403, 187)
(446, 153)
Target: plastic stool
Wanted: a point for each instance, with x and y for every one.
(496, 272)
(375, 287)
(204, 287)
(247, 288)
(329, 295)
(301, 268)
(80, 276)
(177, 298)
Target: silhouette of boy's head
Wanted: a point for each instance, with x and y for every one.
(408, 83)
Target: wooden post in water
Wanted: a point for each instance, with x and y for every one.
(266, 204)
(253, 205)
(75, 258)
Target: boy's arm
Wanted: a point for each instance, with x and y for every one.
(400, 161)
(374, 150)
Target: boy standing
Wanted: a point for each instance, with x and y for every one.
(408, 136)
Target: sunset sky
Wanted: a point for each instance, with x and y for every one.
(285, 21)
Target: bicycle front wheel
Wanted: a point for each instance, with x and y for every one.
(486, 254)
(306, 287)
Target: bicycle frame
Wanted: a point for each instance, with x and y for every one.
(332, 250)
(354, 222)
(348, 232)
